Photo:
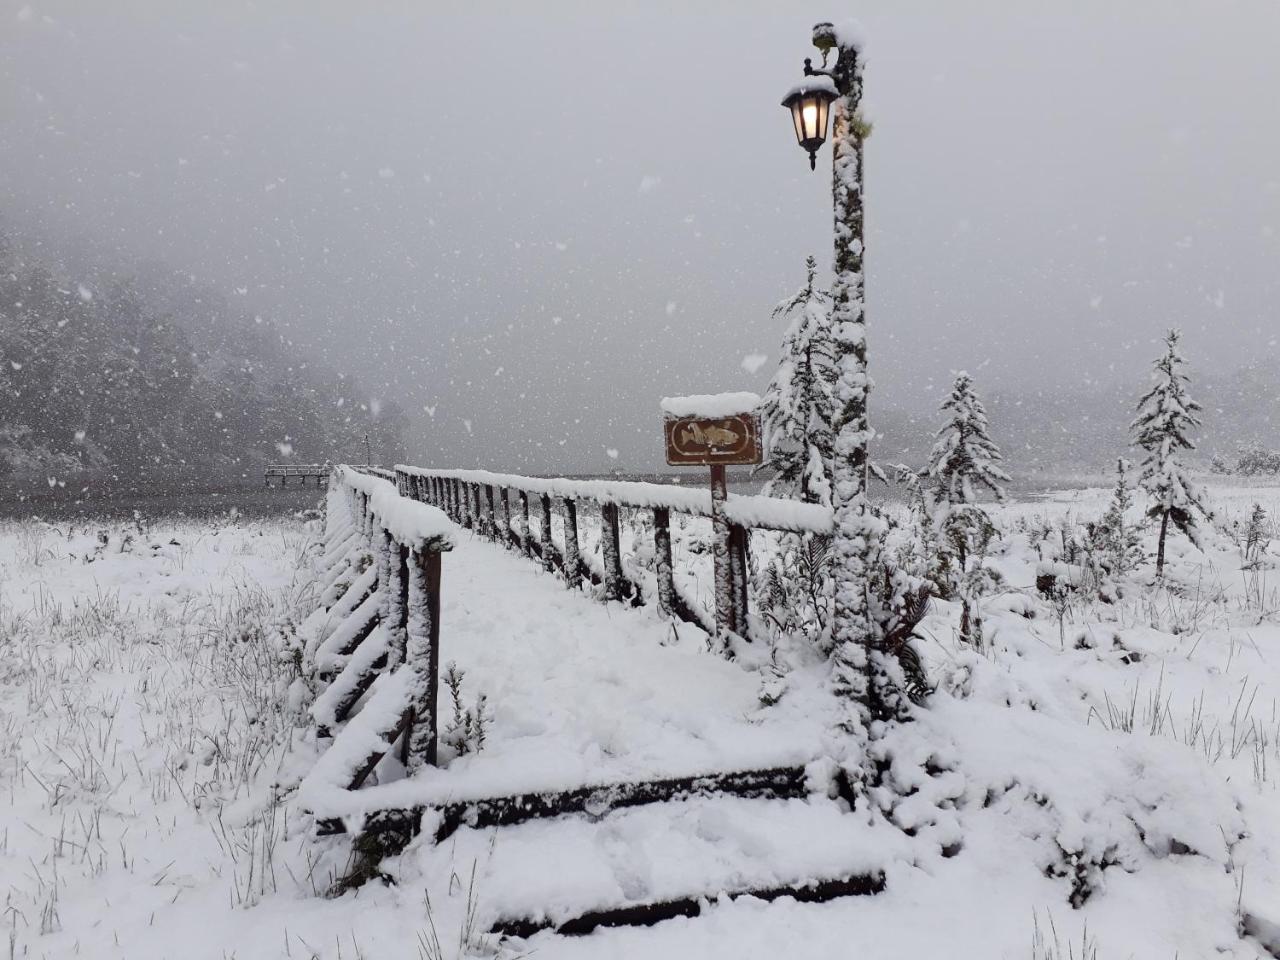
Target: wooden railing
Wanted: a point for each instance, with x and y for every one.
(498, 506)
(304, 471)
(373, 653)
(378, 665)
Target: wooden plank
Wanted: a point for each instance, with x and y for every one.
(647, 914)
(503, 811)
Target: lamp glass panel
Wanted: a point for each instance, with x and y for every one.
(809, 118)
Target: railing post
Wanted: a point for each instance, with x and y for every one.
(526, 542)
(423, 658)
(491, 514)
(610, 539)
(478, 521)
(393, 584)
(572, 562)
(464, 490)
(738, 563)
(662, 554)
(548, 547)
(721, 557)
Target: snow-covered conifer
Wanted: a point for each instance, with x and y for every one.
(1120, 540)
(964, 460)
(964, 457)
(799, 405)
(1166, 416)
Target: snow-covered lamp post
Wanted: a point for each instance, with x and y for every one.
(858, 531)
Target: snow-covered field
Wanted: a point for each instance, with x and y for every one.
(1093, 777)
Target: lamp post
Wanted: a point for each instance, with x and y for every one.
(858, 531)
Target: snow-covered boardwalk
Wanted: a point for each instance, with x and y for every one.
(588, 709)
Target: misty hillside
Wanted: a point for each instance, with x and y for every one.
(149, 381)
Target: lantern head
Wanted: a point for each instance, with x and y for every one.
(809, 103)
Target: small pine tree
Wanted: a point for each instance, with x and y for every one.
(1256, 538)
(1120, 542)
(965, 458)
(1166, 415)
(799, 405)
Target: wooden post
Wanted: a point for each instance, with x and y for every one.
(506, 519)
(464, 494)
(400, 627)
(721, 555)
(479, 522)
(548, 547)
(738, 541)
(662, 553)
(525, 540)
(423, 658)
(492, 514)
(572, 562)
(610, 539)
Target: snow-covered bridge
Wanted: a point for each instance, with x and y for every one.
(608, 730)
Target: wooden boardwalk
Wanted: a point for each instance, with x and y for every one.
(284, 472)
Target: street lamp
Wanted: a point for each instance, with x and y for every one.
(809, 102)
(859, 613)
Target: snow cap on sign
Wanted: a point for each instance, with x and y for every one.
(711, 404)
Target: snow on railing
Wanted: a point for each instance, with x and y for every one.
(482, 500)
(379, 665)
(748, 510)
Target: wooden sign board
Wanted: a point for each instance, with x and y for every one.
(726, 441)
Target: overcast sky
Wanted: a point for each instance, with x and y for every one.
(535, 220)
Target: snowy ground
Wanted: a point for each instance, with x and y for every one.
(1126, 755)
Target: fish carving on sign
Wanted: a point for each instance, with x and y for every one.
(727, 440)
(709, 436)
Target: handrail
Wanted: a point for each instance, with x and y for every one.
(475, 498)
(748, 510)
(400, 671)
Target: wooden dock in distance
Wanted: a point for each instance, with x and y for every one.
(284, 472)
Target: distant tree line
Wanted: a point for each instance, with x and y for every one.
(152, 378)
(1252, 460)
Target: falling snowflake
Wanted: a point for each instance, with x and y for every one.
(754, 361)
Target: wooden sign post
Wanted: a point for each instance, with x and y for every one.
(718, 431)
